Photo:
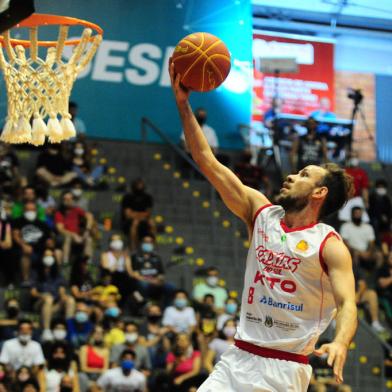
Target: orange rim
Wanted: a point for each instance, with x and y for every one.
(46, 19)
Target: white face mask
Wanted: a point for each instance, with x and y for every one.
(354, 162)
(381, 191)
(77, 192)
(79, 151)
(229, 331)
(30, 215)
(59, 334)
(131, 337)
(24, 338)
(212, 280)
(116, 244)
(48, 261)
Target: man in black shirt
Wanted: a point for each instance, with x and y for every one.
(30, 234)
(136, 209)
(149, 274)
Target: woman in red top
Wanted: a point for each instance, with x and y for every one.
(184, 364)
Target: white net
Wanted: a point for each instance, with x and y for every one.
(38, 89)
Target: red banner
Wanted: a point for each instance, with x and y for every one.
(300, 92)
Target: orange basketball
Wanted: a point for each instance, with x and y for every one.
(202, 60)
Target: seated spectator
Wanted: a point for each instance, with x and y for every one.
(30, 235)
(9, 169)
(105, 293)
(73, 109)
(136, 209)
(81, 281)
(360, 198)
(211, 286)
(125, 377)
(142, 360)
(231, 312)
(47, 203)
(154, 337)
(59, 364)
(180, 317)
(81, 161)
(360, 239)
(22, 351)
(79, 327)
(79, 199)
(49, 293)
(149, 273)
(252, 175)
(94, 356)
(184, 364)
(52, 168)
(25, 380)
(69, 384)
(368, 297)
(6, 249)
(384, 286)
(29, 195)
(9, 324)
(220, 344)
(59, 333)
(114, 326)
(117, 262)
(74, 225)
(380, 207)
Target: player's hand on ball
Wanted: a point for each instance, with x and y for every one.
(337, 353)
(180, 92)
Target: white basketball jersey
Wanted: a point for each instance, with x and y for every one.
(287, 300)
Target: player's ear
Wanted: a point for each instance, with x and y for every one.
(320, 192)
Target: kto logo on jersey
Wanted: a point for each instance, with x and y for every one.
(278, 260)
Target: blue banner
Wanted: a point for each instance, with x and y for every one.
(128, 77)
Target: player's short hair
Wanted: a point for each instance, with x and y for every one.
(340, 189)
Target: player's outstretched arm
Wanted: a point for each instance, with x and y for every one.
(338, 260)
(240, 199)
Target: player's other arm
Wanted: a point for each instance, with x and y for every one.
(240, 199)
(338, 260)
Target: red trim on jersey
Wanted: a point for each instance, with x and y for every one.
(271, 353)
(290, 230)
(258, 212)
(321, 258)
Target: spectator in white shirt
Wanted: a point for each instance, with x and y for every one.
(360, 239)
(22, 351)
(180, 317)
(124, 378)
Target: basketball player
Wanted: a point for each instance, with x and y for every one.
(298, 271)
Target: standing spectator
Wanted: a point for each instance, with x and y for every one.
(22, 351)
(180, 317)
(360, 239)
(94, 356)
(30, 234)
(384, 285)
(149, 273)
(29, 195)
(73, 109)
(125, 377)
(50, 294)
(231, 312)
(75, 226)
(184, 364)
(361, 189)
(142, 360)
(380, 207)
(79, 327)
(212, 287)
(52, 168)
(136, 213)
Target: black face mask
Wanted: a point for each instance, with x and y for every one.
(66, 388)
(357, 221)
(154, 319)
(59, 364)
(12, 312)
(201, 120)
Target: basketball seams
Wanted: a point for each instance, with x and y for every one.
(190, 43)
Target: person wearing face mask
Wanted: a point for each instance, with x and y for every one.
(360, 239)
(9, 324)
(220, 344)
(94, 356)
(59, 333)
(231, 312)
(180, 317)
(149, 273)
(30, 235)
(29, 195)
(211, 286)
(53, 168)
(22, 350)
(49, 292)
(136, 207)
(79, 326)
(124, 377)
(380, 207)
(132, 338)
(79, 199)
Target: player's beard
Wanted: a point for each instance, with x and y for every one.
(292, 203)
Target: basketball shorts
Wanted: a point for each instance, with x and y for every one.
(241, 371)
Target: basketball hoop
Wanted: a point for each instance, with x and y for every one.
(39, 88)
